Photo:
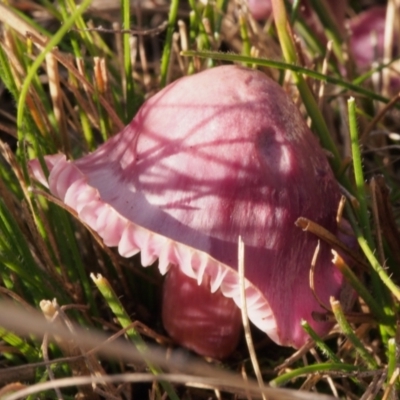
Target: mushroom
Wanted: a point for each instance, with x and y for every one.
(212, 156)
(367, 37)
(261, 10)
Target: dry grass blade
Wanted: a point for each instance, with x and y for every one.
(187, 380)
(137, 32)
(374, 386)
(13, 318)
(245, 318)
(56, 97)
(88, 364)
(378, 117)
(390, 391)
(332, 240)
(10, 18)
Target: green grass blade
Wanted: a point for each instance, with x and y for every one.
(325, 349)
(312, 369)
(130, 88)
(330, 26)
(351, 336)
(15, 255)
(361, 290)
(166, 56)
(123, 318)
(358, 173)
(58, 36)
(375, 265)
(280, 65)
(31, 354)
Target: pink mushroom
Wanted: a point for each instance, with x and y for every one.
(262, 10)
(367, 44)
(367, 32)
(213, 156)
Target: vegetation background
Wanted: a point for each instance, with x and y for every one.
(71, 76)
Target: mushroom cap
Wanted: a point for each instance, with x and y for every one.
(262, 10)
(367, 31)
(212, 156)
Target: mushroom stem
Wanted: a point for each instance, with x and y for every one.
(207, 323)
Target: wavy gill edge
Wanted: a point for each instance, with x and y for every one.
(69, 184)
